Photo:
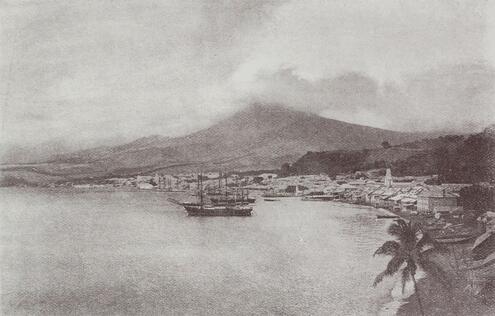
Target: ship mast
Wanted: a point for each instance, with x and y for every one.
(236, 188)
(201, 189)
(226, 187)
(219, 182)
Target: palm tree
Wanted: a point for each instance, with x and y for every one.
(408, 251)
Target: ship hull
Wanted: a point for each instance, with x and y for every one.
(278, 195)
(198, 210)
(318, 198)
(231, 200)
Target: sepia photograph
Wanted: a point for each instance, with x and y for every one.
(247, 157)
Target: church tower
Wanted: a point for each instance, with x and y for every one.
(388, 178)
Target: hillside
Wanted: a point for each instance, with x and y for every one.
(454, 158)
(258, 137)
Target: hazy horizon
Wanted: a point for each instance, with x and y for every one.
(98, 72)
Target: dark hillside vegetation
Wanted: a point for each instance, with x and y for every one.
(454, 158)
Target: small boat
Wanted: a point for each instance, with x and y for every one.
(318, 198)
(270, 200)
(387, 216)
(278, 195)
(454, 239)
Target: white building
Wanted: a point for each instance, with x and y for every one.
(388, 178)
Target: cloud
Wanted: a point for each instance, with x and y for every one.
(456, 97)
(172, 67)
(384, 38)
(348, 91)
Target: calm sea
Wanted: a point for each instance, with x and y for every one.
(88, 253)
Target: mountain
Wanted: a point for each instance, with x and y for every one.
(29, 153)
(10, 153)
(258, 137)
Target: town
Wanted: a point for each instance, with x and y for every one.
(404, 196)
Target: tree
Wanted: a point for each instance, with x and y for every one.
(285, 169)
(478, 198)
(258, 179)
(410, 250)
(386, 144)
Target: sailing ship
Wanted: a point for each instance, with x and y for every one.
(233, 196)
(224, 209)
(235, 199)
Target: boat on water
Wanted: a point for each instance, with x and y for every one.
(454, 234)
(455, 239)
(272, 193)
(318, 198)
(387, 216)
(221, 209)
(278, 194)
(271, 200)
(218, 210)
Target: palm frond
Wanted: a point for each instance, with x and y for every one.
(417, 227)
(404, 231)
(403, 224)
(392, 267)
(395, 230)
(379, 278)
(426, 240)
(405, 277)
(389, 248)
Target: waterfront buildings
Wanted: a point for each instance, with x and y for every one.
(436, 200)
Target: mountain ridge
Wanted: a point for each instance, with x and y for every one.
(260, 136)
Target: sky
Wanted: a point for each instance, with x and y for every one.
(85, 71)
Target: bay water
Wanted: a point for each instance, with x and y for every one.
(67, 251)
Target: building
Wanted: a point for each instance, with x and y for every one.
(432, 201)
(145, 186)
(268, 176)
(143, 179)
(368, 193)
(408, 204)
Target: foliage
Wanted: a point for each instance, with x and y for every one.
(258, 180)
(415, 165)
(386, 144)
(409, 250)
(330, 162)
(478, 198)
(455, 159)
(285, 171)
(11, 181)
